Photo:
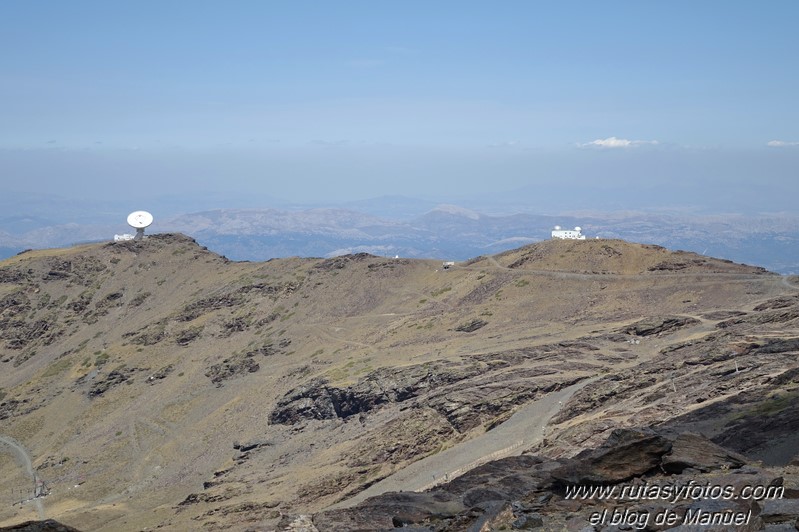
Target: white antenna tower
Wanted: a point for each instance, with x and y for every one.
(139, 220)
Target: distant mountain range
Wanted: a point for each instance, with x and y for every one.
(420, 229)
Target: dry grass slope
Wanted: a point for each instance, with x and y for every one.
(157, 383)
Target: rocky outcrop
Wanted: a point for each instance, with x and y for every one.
(231, 367)
(697, 452)
(8, 408)
(781, 315)
(471, 326)
(187, 336)
(13, 276)
(625, 455)
(778, 302)
(777, 345)
(529, 492)
(151, 335)
(246, 449)
(652, 326)
(194, 310)
(310, 401)
(274, 292)
(341, 262)
(669, 266)
(22, 334)
(105, 382)
(317, 399)
(80, 270)
(240, 364)
(469, 392)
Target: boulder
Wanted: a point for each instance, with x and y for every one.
(626, 454)
(699, 453)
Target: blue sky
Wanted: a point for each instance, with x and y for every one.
(329, 101)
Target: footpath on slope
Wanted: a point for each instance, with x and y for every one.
(21, 456)
(786, 280)
(522, 430)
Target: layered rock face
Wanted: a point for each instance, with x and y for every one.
(637, 480)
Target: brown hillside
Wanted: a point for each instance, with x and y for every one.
(156, 383)
(614, 257)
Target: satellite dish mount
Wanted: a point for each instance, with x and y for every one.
(139, 220)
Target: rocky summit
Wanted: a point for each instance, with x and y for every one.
(155, 384)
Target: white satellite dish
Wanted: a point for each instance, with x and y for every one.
(578, 229)
(139, 220)
(557, 228)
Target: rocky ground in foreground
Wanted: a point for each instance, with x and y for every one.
(637, 480)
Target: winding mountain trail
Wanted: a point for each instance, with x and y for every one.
(788, 283)
(522, 430)
(21, 455)
(496, 264)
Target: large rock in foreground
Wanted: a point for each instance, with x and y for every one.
(529, 492)
(625, 455)
(697, 452)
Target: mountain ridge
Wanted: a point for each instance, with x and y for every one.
(429, 231)
(172, 384)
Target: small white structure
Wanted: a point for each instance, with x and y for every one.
(447, 265)
(123, 237)
(567, 234)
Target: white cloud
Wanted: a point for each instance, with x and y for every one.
(781, 143)
(613, 142)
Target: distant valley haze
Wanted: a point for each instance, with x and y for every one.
(395, 225)
(643, 121)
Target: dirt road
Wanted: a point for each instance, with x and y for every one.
(524, 429)
(22, 457)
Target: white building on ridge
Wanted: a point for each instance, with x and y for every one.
(568, 234)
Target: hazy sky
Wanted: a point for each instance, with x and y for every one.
(335, 100)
